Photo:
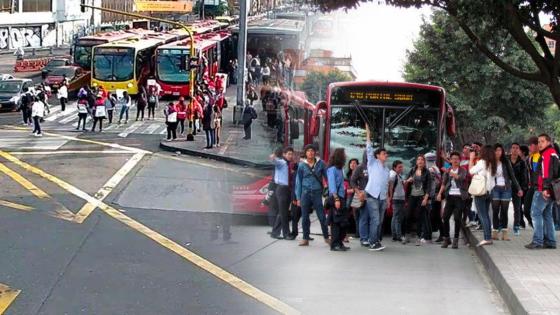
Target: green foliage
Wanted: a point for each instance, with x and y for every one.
(489, 103)
(316, 83)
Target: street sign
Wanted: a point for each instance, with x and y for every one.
(164, 6)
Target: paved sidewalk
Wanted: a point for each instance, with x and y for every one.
(528, 280)
(233, 148)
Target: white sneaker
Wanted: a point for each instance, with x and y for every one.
(38, 135)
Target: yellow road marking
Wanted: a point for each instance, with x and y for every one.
(70, 152)
(7, 297)
(23, 182)
(199, 261)
(88, 208)
(209, 165)
(14, 205)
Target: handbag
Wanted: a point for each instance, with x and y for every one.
(478, 186)
(172, 117)
(100, 111)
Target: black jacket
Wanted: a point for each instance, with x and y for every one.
(359, 177)
(521, 172)
(461, 182)
(509, 175)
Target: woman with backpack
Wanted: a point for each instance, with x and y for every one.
(171, 121)
(125, 102)
(338, 214)
(110, 105)
(506, 184)
(99, 112)
(152, 102)
(483, 181)
(82, 112)
(141, 103)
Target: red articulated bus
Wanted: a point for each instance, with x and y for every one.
(172, 61)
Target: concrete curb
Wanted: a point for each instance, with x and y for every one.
(232, 160)
(506, 291)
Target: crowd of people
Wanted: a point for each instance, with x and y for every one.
(474, 186)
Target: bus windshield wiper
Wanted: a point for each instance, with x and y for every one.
(362, 114)
(400, 117)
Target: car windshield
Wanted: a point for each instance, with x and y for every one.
(10, 86)
(113, 64)
(82, 56)
(404, 134)
(172, 68)
(69, 73)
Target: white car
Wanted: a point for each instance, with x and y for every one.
(5, 76)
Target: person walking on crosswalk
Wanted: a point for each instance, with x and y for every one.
(37, 112)
(141, 104)
(99, 112)
(63, 95)
(171, 121)
(82, 112)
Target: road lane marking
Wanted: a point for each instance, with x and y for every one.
(131, 129)
(88, 208)
(151, 128)
(56, 116)
(70, 152)
(111, 145)
(7, 297)
(191, 160)
(36, 191)
(14, 205)
(68, 119)
(199, 261)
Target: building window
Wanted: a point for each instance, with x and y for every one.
(9, 6)
(37, 5)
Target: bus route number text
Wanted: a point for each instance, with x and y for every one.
(381, 96)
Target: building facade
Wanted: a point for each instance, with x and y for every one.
(43, 23)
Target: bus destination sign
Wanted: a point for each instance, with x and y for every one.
(380, 96)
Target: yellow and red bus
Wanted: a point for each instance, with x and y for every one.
(82, 49)
(127, 64)
(172, 61)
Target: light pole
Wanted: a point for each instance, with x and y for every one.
(242, 53)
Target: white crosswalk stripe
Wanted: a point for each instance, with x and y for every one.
(58, 119)
(17, 140)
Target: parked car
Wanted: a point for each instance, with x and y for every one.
(75, 77)
(5, 76)
(54, 63)
(11, 91)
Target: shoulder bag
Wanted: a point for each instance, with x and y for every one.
(478, 186)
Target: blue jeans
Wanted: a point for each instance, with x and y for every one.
(376, 212)
(364, 223)
(124, 110)
(501, 193)
(482, 206)
(541, 213)
(396, 221)
(313, 199)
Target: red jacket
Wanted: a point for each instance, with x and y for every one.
(181, 109)
(547, 170)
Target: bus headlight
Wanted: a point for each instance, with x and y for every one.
(94, 84)
(129, 85)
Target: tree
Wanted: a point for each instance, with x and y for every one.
(316, 83)
(479, 19)
(489, 102)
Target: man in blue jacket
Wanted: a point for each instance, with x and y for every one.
(309, 192)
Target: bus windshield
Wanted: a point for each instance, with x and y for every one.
(405, 123)
(113, 64)
(172, 66)
(82, 56)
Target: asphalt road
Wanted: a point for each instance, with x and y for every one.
(164, 240)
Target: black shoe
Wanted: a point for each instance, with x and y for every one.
(395, 239)
(533, 246)
(338, 249)
(290, 238)
(278, 237)
(439, 240)
(548, 246)
(376, 247)
(345, 247)
(311, 239)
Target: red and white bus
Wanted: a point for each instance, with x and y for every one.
(172, 61)
(408, 119)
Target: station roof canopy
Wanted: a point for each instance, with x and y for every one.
(276, 26)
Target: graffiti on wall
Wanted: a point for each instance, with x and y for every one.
(25, 36)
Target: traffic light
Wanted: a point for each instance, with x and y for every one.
(82, 8)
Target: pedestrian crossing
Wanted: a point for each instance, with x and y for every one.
(23, 141)
(68, 120)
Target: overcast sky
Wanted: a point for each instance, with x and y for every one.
(377, 37)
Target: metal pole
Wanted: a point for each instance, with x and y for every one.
(242, 52)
